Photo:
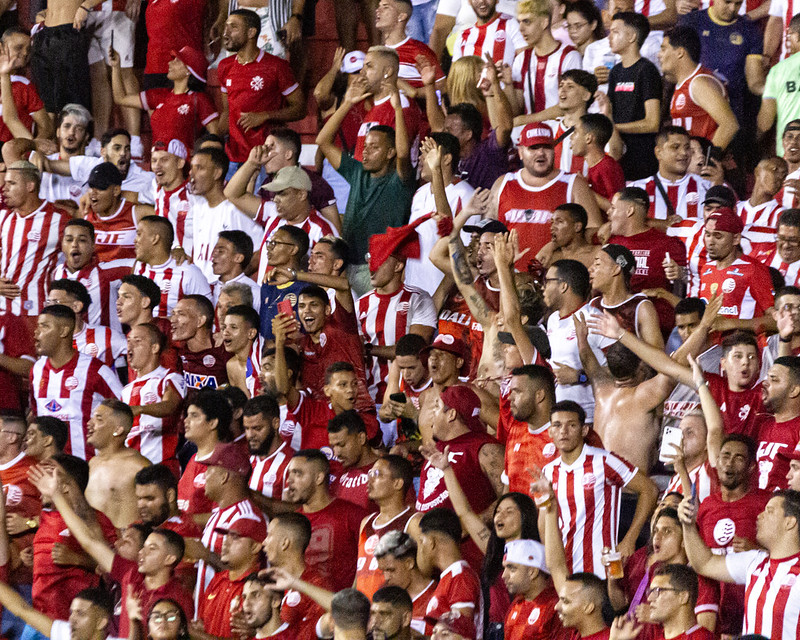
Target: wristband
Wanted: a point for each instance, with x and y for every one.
(583, 378)
(789, 339)
(84, 8)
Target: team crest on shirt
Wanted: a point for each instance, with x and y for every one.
(150, 398)
(91, 349)
(323, 339)
(75, 190)
(71, 383)
(13, 495)
(209, 360)
(165, 286)
(736, 38)
(403, 307)
(431, 481)
(52, 406)
(728, 285)
(292, 598)
(788, 581)
(183, 109)
(534, 616)
(589, 480)
(680, 102)
(34, 235)
(432, 604)
(692, 198)
(500, 36)
(371, 543)
(257, 83)
(548, 450)
(199, 480)
(724, 531)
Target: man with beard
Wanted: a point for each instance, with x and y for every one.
(485, 37)
(333, 551)
(726, 519)
(568, 237)
(785, 254)
(347, 435)
(391, 614)
(789, 196)
(261, 608)
(240, 339)
(269, 455)
(157, 502)
(762, 208)
(173, 199)
(527, 199)
(250, 106)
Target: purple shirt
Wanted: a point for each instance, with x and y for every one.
(487, 163)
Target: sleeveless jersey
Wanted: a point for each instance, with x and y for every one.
(456, 320)
(626, 313)
(114, 235)
(368, 577)
(686, 113)
(530, 209)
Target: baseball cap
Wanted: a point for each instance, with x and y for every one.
(726, 220)
(353, 62)
(537, 337)
(536, 133)
(466, 403)
(104, 175)
(622, 256)
(293, 177)
(23, 165)
(231, 457)
(247, 527)
(463, 626)
(194, 60)
(451, 344)
(528, 553)
(174, 146)
(486, 225)
(720, 194)
(794, 454)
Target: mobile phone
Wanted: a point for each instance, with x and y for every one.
(285, 307)
(708, 156)
(694, 492)
(398, 397)
(112, 39)
(672, 435)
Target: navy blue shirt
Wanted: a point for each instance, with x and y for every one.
(271, 295)
(725, 48)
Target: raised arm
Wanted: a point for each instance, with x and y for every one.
(237, 189)
(282, 580)
(281, 326)
(501, 116)
(10, 113)
(402, 144)
(555, 557)
(323, 92)
(121, 98)
(355, 93)
(433, 110)
(700, 557)
(505, 257)
(715, 432)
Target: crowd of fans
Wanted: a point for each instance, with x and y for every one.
(511, 351)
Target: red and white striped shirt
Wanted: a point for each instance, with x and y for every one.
(103, 343)
(686, 195)
(100, 279)
(176, 206)
(789, 270)
(589, 492)
(788, 197)
(565, 159)
(538, 76)
(268, 472)
(71, 393)
(649, 7)
(29, 248)
(384, 319)
(500, 38)
(314, 225)
(155, 438)
(703, 477)
(212, 540)
(407, 51)
(783, 9)
(176, 281)
(772, 593)
(763, 215)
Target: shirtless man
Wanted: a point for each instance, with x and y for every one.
(568, 237)
(111, 487)
(239, 332)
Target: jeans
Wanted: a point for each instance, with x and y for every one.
(420, 25)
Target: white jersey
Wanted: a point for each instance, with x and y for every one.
(686, 195)
(420, 272)
(137, 181)
(762, 215)
(591, 487)
(176, 281)
(564, 350)
(217, 286)
(105, 344)
(772, 593)
(71, 393)
(538, 76)
(56, 187)
(29, 248)
(176, 206)
(102, 280)
(500, 38)
(649, 8)
(155, 438)
(209, 221)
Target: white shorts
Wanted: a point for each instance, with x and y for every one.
(101, 25)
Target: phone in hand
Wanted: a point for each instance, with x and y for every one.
(285, 307)
(672, 435)
(398, 397)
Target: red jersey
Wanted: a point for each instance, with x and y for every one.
(172, 25)
(695, 633)
(606, 177)
(16, 340)
(456, 320)
(776, 440)
(465, 459)
(27, 102)
(203, 369)
(382, 112)
(589, 492)
(21, 498)
(269, 472)
(524, 448)
(626, 313)
(223, 596)
(98, 278)
(459, 588)
(299, 611)
(71, 393)
(368, 577)
(351, 485)
(686, 195)
(54, 586)
(650, 249)
(529, 209)
(746, 288)
(333, 550)
(537, 77)
(114, 234)
(178, 116)
(176, 205)
(739, 408)
(686, 113)
(419, 605)
(31, 246)
(407, 51)
(533, 619)
(260, 85)
(191, 489)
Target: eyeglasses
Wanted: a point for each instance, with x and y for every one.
(793, 242)
(169, 616)
(657, 591)
(271, 244)
(576, 26)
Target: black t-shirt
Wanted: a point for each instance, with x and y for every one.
(628, 89)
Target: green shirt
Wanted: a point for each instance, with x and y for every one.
(783, 86)
(373, 205)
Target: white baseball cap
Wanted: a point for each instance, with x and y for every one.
(353, 61)
(528, 553)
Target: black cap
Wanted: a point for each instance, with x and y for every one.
(487, 225)
(104, 175)
(720, 194)
(622, 256)
(536, 335)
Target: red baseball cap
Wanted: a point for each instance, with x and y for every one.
(454, 622)
(231, 457)
(451, 344)
(536, 133)
(725, 219)
(194, 60)
(466, 403)
(247, 527)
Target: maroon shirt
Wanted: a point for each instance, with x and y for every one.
(203, 369)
